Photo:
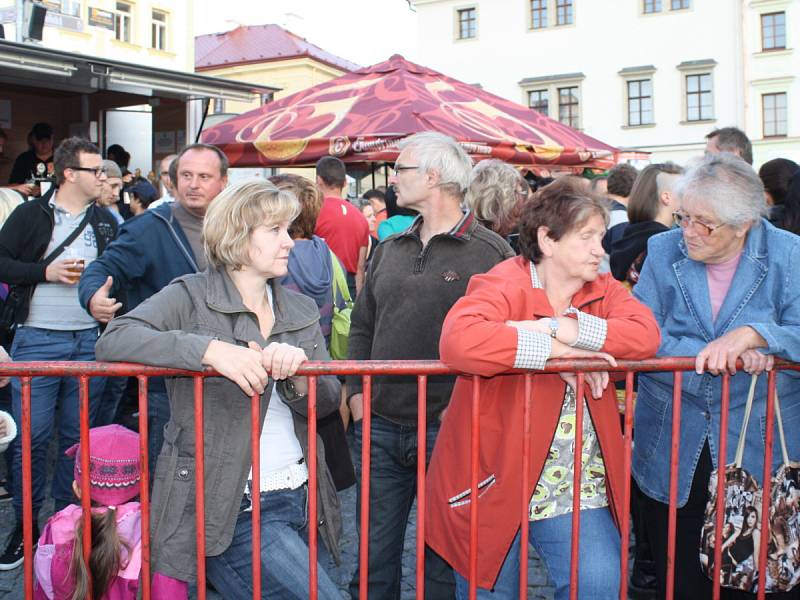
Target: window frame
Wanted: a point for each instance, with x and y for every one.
(684, 5)
(460, 22)
(568, 7)
(656, 6)
(217, 106)
(764, 47)
(640, 98)
(540, 91)
(123, 20)
(785, 121)
(699, 93)
(552, 84)
(542, 9)
(576, 115)
(160, 28)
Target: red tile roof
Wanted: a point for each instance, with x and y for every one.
(259, 43)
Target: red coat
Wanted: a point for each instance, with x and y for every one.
(476, 340)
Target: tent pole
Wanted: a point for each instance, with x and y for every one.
(372, 172)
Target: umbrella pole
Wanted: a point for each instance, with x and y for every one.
(386, 174)
(372, 170)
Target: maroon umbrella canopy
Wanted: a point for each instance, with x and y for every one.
(361, 116)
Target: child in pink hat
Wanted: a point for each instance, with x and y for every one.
(114, 479)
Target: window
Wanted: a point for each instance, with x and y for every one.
(538, 14)
(773, 31)
(568, 106)
(539, 100)
(122, 22)
(773, 114)
(218, 106)
(267, 97)
(70, 7)
(563, 12)
(467, 23)
(159, 30)
(699, 106)
(652, 6)
(640, 102)
(678, 4)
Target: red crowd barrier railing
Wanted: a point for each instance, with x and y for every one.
(367, 369)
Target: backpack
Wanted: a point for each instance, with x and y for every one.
(340, 322)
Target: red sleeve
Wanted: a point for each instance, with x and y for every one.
(475, 338)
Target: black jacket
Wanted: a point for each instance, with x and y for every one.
(24, 239)
(629, 252)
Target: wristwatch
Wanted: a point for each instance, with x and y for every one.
(553, 327)
(290, 391)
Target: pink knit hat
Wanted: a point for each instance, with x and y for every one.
(114, 467)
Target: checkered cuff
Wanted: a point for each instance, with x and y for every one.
(533, 349)
(592, 331)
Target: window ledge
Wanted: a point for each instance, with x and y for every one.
(700, 122)
(776, 52)
(121, 44)
(164, 53)
(645, 126)
(782, 136)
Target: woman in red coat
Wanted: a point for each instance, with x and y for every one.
(549, 302)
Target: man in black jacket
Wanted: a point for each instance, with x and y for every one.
(44, 246)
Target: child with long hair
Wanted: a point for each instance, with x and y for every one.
(116, 557)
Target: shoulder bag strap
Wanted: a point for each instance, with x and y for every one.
(339, 281)
(747, 410)
(69, 239)
(780, 425)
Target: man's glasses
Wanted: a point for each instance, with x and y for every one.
(683, 221)
(98, 171)
(400, 168)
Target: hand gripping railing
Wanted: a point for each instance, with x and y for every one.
(368, 369)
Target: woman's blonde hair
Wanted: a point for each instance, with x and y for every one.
(236, 212)
(494, 194)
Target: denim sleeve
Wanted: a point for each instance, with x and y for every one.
(650, 291)
(783, 336)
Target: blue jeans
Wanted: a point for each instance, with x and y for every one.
(598, 565)
(47, 395)
(109, 404)
(393, 486)
(284, 552)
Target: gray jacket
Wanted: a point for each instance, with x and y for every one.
(173, 329)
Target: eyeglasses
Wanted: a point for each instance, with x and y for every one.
(683, 221)
(399, 168)
(98, 171)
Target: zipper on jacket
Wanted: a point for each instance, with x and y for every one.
(178, 241)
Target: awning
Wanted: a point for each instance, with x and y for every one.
(24, 64)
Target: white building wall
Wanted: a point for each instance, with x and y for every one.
(607, 37)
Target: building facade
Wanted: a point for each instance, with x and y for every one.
(652, 75)
(158, 33)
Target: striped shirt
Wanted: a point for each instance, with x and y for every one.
(55, 305)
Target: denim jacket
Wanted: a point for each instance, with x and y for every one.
(765, 295)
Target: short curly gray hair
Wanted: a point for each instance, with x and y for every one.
(728, 186)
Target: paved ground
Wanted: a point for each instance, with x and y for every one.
(11, 584)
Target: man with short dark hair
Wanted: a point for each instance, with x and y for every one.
(619, 184)
(44, 246)
(152, 250)
(730, 139)
(36, 161)
(377, 200)
(413, 280)
(341, 224)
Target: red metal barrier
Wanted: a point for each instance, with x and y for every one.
(368, 369)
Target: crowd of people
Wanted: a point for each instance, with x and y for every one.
(474, 265)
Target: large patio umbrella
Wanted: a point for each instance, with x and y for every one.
(361, 116)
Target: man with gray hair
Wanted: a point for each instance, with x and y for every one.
(730, 139)
(414, 279)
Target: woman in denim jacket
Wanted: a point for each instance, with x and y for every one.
(722, 287)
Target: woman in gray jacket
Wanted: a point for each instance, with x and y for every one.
(235, 318)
